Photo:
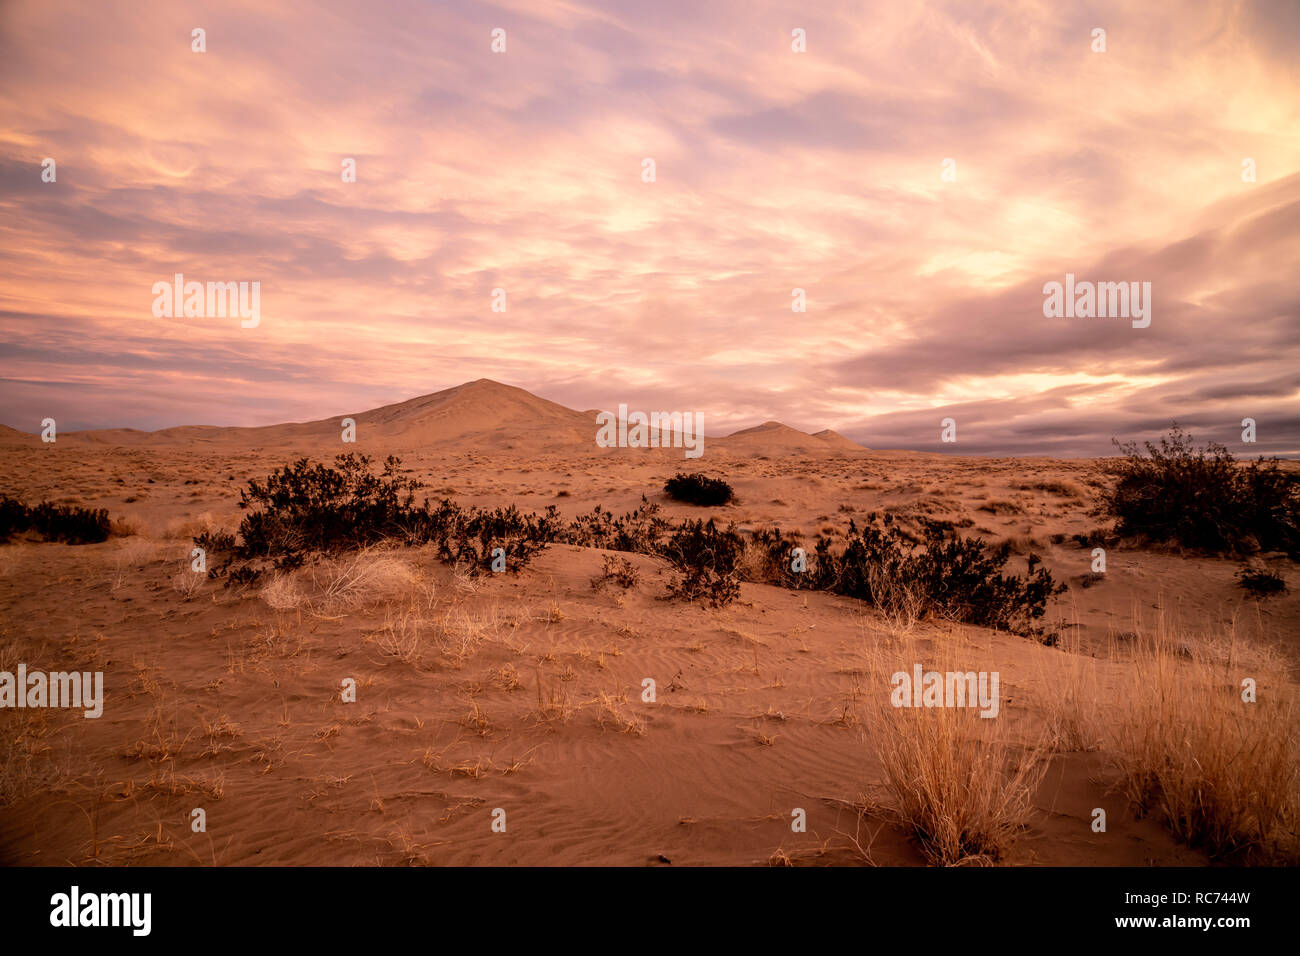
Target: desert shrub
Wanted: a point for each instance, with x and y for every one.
(959, 577)
(965, 580)
(1096, 538)
(468, 536)
(1261, 583)
(1202, 498)
(243, 576)
(1067, 489)
(14, 517)
(707, 560)
(640, 530)
(219, 548)
(216, 542)
(698, 489)
(303, 509)
(907, 575)
(619, 570)
(53, 522)
(770, 558)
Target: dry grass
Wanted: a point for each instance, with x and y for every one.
(132, 554)
(187, 529)
(900, 602)
(611, 713)
(1220, 773)
(368, 577)
(1072, 688)
(364, 579)
(283, 593)
(476, 720)
(554, 704)
(27, 764)
(1065, 488)
(461, 631)
(1021, 543)
(401, 636)
(508, 677)
(961, 787)
(187, 583)
(961, 784)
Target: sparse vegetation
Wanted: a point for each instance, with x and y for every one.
(620, 570)
(1221, 772)
(1096, 538)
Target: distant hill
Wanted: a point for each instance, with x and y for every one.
(774, 438)
(482, 414)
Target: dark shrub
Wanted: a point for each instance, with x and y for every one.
(216, 542)
(697, 489)
(54, 522)
(773, 560)
(303, 509)
(243, 576)
(219, 549)
(1261, 583)
(1096, 538)
(14, 517)
(939, 571)
(964, 579)
(1201, 498)
(708, 560)
(639, 531)
(619, 570)
(469, 536)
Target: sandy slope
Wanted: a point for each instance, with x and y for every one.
(524, 693)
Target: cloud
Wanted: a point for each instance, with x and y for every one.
(775, 171)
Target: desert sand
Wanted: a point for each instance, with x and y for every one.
(524, 692)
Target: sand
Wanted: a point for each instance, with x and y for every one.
(524, 693)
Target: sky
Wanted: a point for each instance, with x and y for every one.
(774, 170)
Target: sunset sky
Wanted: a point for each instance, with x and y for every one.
(774, 170)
